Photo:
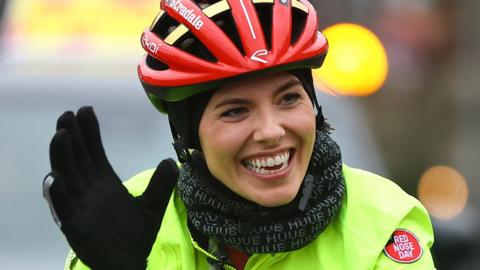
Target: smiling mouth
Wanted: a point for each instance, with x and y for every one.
(269, 165)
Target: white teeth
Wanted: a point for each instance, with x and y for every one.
(266, 172)
(270, 162)
(278, 159)
(262, 164)
(259, 165)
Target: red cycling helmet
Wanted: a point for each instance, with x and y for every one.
(196, 46)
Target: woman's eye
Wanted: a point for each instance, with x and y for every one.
(233, 113)
(290, 98)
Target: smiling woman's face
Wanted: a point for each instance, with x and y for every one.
(257, 135)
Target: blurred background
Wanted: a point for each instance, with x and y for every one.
(400, 86)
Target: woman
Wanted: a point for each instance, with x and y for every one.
(261, 184)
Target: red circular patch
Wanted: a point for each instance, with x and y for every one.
(403, 247)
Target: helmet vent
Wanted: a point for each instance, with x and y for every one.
(156, 64)
(225, 21)
(265, 14)
(164, 26)
(299, 20)
(191, 44)
(205, 3)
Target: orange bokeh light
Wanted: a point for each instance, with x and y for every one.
(443, 191)
(356, 63)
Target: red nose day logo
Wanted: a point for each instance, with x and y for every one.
(403, 247)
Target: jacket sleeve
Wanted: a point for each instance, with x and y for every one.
(417, 224)
(72, 262)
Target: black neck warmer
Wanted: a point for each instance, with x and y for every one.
(220, 214)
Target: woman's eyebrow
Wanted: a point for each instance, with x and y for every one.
(240, 101)
(287, 85)
(232, 101)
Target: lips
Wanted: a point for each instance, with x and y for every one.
(268, 164)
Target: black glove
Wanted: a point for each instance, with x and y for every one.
(106, 226)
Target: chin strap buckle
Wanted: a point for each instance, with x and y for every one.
(183, 153)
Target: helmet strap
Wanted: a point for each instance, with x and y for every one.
(320, 120)
(181, 149)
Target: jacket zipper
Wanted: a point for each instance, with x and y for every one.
(211, 256)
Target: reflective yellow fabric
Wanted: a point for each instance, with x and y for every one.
(372, 209)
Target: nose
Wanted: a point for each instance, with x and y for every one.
(268, 128)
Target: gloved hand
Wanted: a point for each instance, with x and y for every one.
(106, 226)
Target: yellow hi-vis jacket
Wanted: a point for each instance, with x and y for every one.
(378, 226)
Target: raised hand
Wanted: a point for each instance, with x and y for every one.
(106, 226)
